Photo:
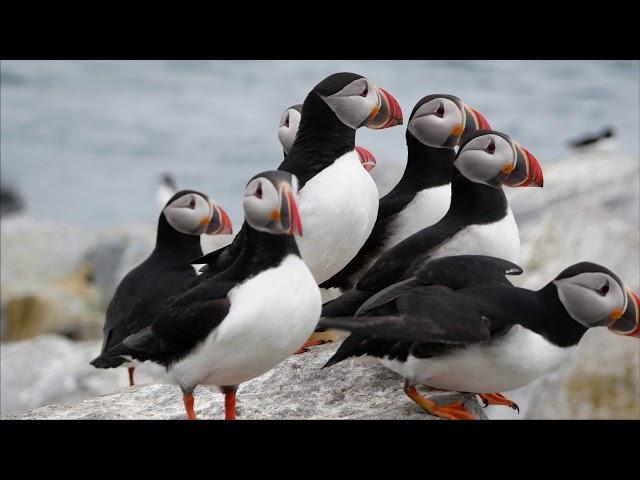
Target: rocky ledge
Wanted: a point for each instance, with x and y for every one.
(296, 389)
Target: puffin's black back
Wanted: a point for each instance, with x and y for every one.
(143, 292)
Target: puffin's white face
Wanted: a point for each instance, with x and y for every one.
(437, 123)
(195, 214)
(356, 103)
(272, 208)
(487, 159)
(289, 123)
(592, 298)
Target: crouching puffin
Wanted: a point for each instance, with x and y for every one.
(479, 220)
(141, 294)
(288, 128)
(458, 324)
(423, 194)
(238, 324)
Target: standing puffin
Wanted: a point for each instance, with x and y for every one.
(479, 220)
(238, 324)
(141, 294)
(458, 324)
(423, 194)
(338, 199)
(288, 128)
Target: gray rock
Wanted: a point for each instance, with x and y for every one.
(295, 389)
(49, 368)
(600, 381)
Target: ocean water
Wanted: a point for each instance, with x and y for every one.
(84, 142)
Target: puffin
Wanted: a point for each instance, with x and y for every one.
(166, 189)
(423, 194)
(288, 128)
(240, 323)
(479, 220)
(140, 295)
(459, 324)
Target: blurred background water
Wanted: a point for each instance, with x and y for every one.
(85, 141)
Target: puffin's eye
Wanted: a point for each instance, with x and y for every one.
(192, 203)
(259, 191)
(286, 120)
(440, 111)
(604, 289)
(491, 148)
(365, 92)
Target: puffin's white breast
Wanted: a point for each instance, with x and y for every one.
(338, 208)
(271, 316)
(499, 239)
(512, 361)
(427, 207)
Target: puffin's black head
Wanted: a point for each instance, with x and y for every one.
(194, 213)
(270, 203)
(494, 158)
(358, 102)
(288, 128)
(595, 297)
(440, 121)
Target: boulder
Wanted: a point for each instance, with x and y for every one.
(295, 389)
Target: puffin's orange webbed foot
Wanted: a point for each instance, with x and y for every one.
(498, 399)
(453, 411)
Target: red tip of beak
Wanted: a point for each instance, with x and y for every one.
(390, 113)
(636, 331)
(535, 177)
(366, 158)
(483, 123)
(227, 227)
(296, 223)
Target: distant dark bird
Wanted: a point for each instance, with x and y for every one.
(458, 324)
(10, 201)
(166, 189)
(238, 324)
(143, 291)
(599, 140)
(479, 220)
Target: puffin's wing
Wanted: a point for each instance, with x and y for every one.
(183, 323)
(387, 295)
(464, 271)
(432, 315)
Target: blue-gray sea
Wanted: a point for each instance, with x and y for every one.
(84, 142)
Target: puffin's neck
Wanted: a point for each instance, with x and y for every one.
(476, 202)
(555, 323)
(261, 250)
(321, 139)
(427, 167)
(541, 312)
(175, 245)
